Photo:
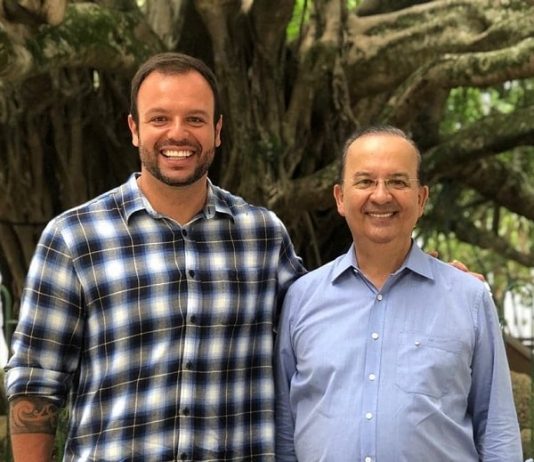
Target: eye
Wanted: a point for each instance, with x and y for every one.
(398, 183)
(196, 120)
(158, 120)
(364, 183)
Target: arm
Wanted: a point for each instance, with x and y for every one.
(290, 268)
(46, 348)
(32, 422)
(285, 368)
(495, 424)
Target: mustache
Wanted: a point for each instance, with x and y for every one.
(179, 143)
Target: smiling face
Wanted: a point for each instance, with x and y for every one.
(381, 215)
(176, 134)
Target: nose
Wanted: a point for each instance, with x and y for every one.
(178, 128)
(380, 193)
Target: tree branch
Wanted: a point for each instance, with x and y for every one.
(312, 192)
(317, 55)
(473, 69)
(489, 136)
(90, 36)
(478, 237)
(502, 184)
(423, 33)
(167, 18)
(33, 14)
(269, 26)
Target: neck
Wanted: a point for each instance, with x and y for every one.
(181, 203)
(379, 261)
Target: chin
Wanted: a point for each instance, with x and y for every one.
(380, 238)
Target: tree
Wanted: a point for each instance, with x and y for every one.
(296, 78)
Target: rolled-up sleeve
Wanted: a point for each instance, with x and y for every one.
(46, 342)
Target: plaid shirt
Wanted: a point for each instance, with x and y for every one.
(163, 333)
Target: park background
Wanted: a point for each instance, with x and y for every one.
(296, 78)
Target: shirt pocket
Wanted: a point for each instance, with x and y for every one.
(237, 297)
(426, 364)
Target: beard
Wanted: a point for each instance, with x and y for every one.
(149, 160)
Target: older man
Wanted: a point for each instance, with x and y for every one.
(387, 354)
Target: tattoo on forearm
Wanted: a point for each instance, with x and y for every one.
(33, 415)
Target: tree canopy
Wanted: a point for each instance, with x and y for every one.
(296, 77)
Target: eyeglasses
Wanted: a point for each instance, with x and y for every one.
(391, 184)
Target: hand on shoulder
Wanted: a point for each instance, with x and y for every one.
(461, 266)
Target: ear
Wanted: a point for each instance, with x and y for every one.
(338, 196)
(218, 128)
(133, 130)
(422, 197)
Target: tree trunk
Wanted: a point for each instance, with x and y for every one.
(296, 78)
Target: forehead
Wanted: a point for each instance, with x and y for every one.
(187, 88)
(381, 153)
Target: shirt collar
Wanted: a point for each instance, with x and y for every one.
(131, 196)
(134, 201)
(417, 261)
(216, 202)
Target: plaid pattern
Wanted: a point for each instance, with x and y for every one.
(163, 333)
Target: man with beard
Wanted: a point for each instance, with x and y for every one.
(150, 309)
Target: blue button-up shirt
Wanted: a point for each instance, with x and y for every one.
(414, 372)
(163, 333)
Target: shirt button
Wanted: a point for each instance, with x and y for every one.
(372, 376)
(417, 343)
(374, 336)
(368, 415)
(379, 297)
(193, 319)
(189, 365)
(192, 273)
(185, 411)
(184, 232)
(183, 456)
(368, 459)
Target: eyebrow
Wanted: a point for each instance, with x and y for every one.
(162, 110)
(367, 174)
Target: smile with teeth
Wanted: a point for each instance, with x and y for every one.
(177, 154)
(380, 214)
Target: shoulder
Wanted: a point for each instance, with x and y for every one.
(314, 280)
(106, 205)
(459, 288)
(445, 273)
(244, 212)
(309, 292)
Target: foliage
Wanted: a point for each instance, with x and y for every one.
(465, 106)
(524, 403)
(299, 18)
(296, 80)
